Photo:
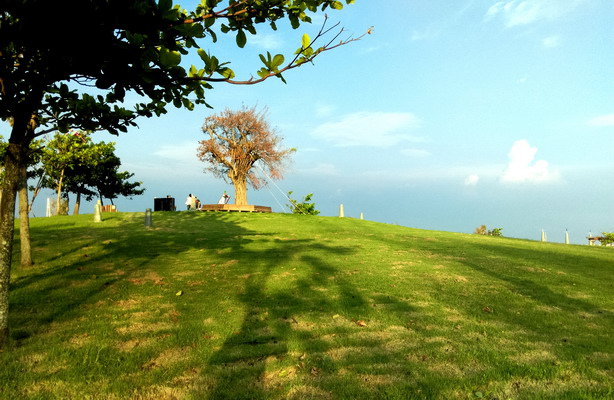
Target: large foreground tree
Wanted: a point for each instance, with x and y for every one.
(53, 54)
(237, 141)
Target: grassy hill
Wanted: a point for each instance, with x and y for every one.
(247, 306)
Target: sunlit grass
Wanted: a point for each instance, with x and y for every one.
(212, 305)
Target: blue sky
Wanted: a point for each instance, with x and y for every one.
(450, 115)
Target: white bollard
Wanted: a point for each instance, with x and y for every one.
(566, 237)
(98, 212)
(341, 213)
(148, 218)
(362, 216)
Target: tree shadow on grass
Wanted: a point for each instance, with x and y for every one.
(299, 333)
(306, 334)
(546, 308)
(564, 300)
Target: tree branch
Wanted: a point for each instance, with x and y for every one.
(292, 64)
(218, 14)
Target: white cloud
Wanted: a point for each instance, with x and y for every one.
(178, 152)
(522, 166)
(321, 169)
(472, 180)
(523, 12)
(551, 42)
(375, 129)
(445, 24)
(416, 153)
(602, 120)
(324, 110)
(266, 41)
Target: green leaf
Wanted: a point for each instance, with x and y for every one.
(241, 38)
(204, 56)
(187, 103)
(227, 73)
(262, 59)
(169, 58)
(337, 5)
(214, 63)
(165, 5)
(277, 61)
(305, 41)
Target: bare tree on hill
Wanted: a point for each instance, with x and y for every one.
(237, 141)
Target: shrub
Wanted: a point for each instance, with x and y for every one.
(482, 230)
(304, 207)
(495, 232)
(607, 238)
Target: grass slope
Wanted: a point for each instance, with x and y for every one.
(248, 306)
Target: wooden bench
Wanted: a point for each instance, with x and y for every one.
(234, 208)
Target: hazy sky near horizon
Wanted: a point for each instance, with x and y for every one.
(448, 116)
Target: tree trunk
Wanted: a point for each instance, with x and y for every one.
(1, 171)
(77, 204)
(240, 191)
(1, 186)
(24, 220)
(59, 199)
(13, 160)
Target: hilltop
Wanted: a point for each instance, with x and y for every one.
(276, 306)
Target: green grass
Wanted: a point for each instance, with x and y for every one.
(293, 307)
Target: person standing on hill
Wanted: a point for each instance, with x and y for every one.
(224, 199)
(189, 201)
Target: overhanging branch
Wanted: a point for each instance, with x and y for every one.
(295, 61)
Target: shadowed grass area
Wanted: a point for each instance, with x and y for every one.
(255, 306)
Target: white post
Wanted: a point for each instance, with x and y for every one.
(98, 212)
(362, 216)
(341, 213)
(566, 237)
(148, 218)
(543, 236)
(48, 211)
